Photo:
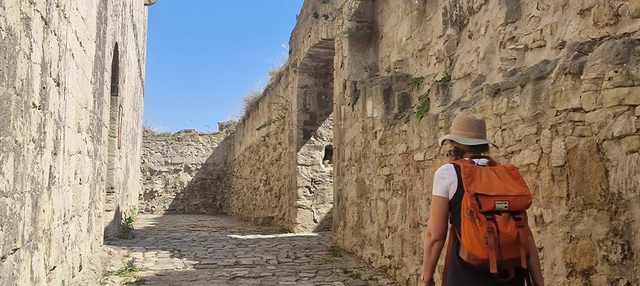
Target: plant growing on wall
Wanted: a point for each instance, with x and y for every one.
(415, 83)
(446, 78)
(360, 33)
(282, 108)
(423, 106)
(250, 101)
(424, 101)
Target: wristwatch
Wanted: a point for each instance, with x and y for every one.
(425, 281)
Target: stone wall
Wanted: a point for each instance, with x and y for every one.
(557, 81)
(275, 168)
(169, 163)
(71, 87)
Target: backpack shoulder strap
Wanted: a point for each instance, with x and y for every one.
(452, 229)
(445, 270)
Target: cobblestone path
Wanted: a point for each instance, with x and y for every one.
(221, 250)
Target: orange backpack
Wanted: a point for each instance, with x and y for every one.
(494, 233)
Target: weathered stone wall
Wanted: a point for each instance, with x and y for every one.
(169, 163)
(229, 181)
(274, 169)
(62, 147)
(558, 82)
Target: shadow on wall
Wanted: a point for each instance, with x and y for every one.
(113, 229)
(287, 183)
(208, 190)
(326, 223)
(216, 188)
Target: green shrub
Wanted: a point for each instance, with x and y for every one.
(130, 267)
(127, 223)
(334, 250)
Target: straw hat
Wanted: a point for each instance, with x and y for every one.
(467, 129)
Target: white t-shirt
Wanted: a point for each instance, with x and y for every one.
(445, 181)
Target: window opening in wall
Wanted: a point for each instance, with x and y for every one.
(328, 154)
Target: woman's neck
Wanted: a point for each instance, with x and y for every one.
(471, 154)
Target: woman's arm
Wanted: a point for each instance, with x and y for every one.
(435, 238)
(534, 263)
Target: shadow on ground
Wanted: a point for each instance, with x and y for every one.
(221, 250)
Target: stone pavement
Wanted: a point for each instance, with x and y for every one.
(221, 250)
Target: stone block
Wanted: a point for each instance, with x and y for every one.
(604, 15)
(581, 255)
(500, 107)
(557, 119)
(419, 156)
(514, 149)
(630, 144)
(576, 116)
(558, 153)
(491, 90)
(493, 122)
(624, 125)
(400, 149)
(571, 142)
(593, 76)
(582, 131)
(623, 175)
(554, 187)
(591, 85)
(621, 96)
(529, 141)
(496, 137)
(508, 137)
(545, 141)
(563, 99)
(533, 39)
(590, 100)
(512, 119)
(637, 112)
(513, 11)
(617, 78)
(537, 44)
(565, 129)
(588, 178)
(529, 156)
(634, 8)
(524, 131)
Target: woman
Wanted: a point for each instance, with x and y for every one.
(468, 138)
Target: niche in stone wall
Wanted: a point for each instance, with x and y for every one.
(115, 128)
(328, 155)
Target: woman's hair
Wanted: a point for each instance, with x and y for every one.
(458, 149)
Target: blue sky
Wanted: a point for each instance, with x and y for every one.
(203, 56)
